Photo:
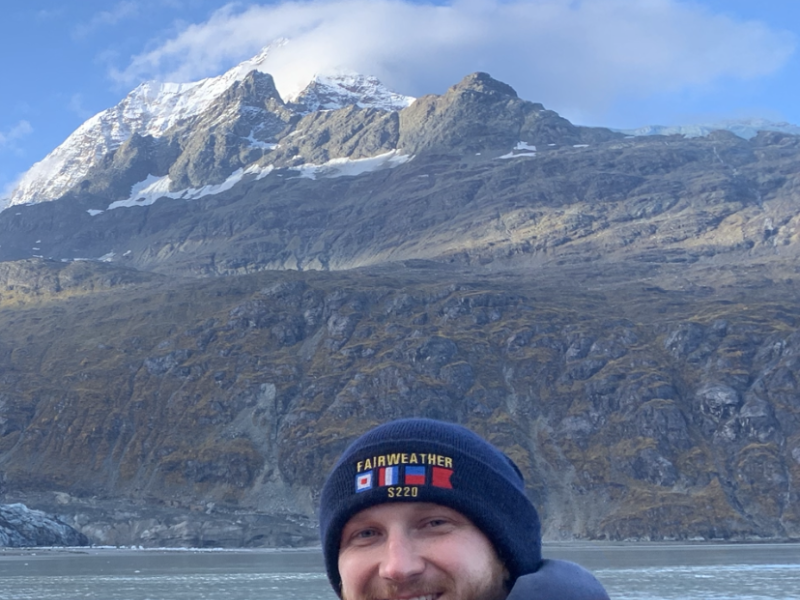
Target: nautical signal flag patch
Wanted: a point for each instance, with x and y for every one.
(441, 478)
(406, 469)
(364, 481)
(406, 475)
(415, 476)
(388, 476)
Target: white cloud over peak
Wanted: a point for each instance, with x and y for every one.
(77, 105)
(16, 132)
(575, 56)
(8, 146)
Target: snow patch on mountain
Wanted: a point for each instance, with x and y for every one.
(330, 92)
(522, 149)
(153, 188)
(258, 143)
(347, 167)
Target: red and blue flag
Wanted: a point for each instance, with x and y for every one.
(415, 476)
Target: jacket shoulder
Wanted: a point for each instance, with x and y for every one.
(558, 580)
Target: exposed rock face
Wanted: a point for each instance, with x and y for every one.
(132, 162)
(21, 527)
(618, 314)
(237, 129)
(634, 414)
(480, 114)
(351, 132)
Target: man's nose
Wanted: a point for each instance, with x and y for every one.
(401, 559)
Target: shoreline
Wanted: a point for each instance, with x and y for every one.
(44, 551)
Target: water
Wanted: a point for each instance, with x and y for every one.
(692, 572)
(629, 572)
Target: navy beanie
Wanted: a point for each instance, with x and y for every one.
(422, 460)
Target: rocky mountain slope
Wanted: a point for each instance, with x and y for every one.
(268, 279)
(21, 527)
(193, 412)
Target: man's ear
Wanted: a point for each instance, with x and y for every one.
(507, 584)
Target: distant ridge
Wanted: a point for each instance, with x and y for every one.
(744, 128)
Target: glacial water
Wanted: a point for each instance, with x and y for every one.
(629, 572)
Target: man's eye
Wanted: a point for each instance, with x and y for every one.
(363, 535)
(436, 522)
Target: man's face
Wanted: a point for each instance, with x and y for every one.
(418, 551)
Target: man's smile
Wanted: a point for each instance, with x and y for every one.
(422, 597)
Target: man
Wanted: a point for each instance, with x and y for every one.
(418, 509)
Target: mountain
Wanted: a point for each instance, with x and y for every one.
(194, 328)
(249, 138)
(170, 111)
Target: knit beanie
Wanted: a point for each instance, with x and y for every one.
(422, 460)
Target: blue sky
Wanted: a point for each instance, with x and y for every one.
(616, 63)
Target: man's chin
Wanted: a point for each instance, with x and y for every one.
(436, 596)
(496, 592)
(388, 594)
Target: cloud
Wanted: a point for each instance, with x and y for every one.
(576, 56)
(8, 143)
(77, 106)
(17, 132)
(119, 12)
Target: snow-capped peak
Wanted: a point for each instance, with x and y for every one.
(152, 108)
(329, 92)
